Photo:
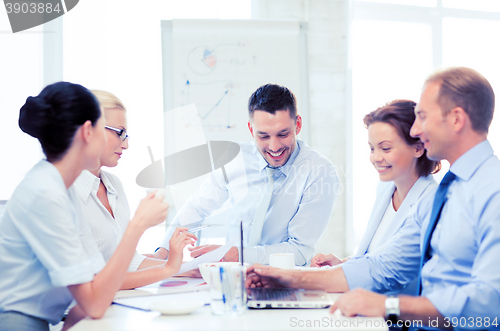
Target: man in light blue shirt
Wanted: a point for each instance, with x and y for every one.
(304, 186)
(461, 279)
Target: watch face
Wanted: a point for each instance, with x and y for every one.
(392, 307)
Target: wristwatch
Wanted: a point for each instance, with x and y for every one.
(392, 311)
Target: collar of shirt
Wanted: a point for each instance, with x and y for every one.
(88, 183)
(465, 166)
(107, 183)
(285, 169)
(52, 170)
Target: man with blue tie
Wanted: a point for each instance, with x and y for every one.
(284, 193)
(451, 240)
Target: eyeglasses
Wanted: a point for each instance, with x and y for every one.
(120, 132)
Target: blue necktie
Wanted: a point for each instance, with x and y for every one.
(260, 214)
(437, 207)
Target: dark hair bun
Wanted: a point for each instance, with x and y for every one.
(35, 115)
(55, 115)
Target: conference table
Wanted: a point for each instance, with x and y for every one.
(124, 319)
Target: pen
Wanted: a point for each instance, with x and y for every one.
(241, 240)
(222, 284)
(242, 272)
(198, 228)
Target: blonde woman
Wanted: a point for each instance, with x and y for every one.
(105, 208)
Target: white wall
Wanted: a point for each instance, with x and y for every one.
(328, 94)
(21, 75)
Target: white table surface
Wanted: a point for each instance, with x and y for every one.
(124, 318)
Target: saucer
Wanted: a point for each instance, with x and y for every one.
(176, 307)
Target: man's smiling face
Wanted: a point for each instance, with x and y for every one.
(433, 129)
(275, 135)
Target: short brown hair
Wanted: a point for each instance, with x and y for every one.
(468, 89)
(400, 114)
(271, 98)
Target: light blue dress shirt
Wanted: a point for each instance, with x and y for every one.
(42, 248)
(304, 193)
(462, 278)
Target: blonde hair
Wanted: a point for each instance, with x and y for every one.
(108, 100)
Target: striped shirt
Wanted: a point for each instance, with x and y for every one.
(107, 230)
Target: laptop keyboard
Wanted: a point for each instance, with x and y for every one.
(274, 294)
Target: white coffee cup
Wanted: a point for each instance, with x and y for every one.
(282, 260)
(160, 193)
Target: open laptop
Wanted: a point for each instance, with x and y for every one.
(259, 297)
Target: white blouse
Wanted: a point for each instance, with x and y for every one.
(44, 247)
(383, 226)
(107, 230)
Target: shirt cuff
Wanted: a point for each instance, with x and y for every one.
(356, 274)
(165, 242)
(449, 301)
(81, 273)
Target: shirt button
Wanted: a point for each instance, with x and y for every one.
(258, 199)
(438, 226)
(436, 257)
(426, 283)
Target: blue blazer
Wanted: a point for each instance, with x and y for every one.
(385, 190)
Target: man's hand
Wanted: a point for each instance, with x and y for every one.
(320, 260)
(264, 276)
(360, 302)
(160, 254)
(232, 255)
(195, 252)
(195, 273)
(200, 250)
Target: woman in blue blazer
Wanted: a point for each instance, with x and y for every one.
(404, 171)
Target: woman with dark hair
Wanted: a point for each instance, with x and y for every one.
(46, 259)
(404, 171)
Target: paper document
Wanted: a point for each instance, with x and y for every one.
(213, 256)
(172, 289)
(167, 286)
(146, 301)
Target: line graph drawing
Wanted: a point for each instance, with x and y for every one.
(215, 111)
(216, 68)
(215, 106)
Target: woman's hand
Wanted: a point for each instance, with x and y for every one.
(151, 211)
(180, 239)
